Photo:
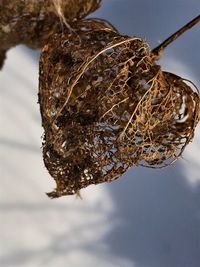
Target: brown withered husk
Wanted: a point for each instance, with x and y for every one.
(107, 106)
(31, 22)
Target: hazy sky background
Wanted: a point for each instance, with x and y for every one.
(148, 218)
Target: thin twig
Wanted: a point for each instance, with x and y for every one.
(159, 49)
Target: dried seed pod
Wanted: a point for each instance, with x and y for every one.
(31, 22)
(107, 106)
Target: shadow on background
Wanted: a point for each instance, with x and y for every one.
(159, 215)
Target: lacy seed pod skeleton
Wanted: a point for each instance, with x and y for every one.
(105, 103)
(107, 106)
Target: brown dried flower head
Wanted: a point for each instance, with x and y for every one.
(107, 106)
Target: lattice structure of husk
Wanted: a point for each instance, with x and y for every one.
(107, 106)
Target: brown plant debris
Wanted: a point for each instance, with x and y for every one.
(31, 22)
(107, 106)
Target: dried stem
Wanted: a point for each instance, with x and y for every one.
(160, 48)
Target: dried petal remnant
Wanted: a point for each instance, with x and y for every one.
(107, 106)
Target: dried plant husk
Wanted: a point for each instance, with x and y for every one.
(107, 106)
(31, 22)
